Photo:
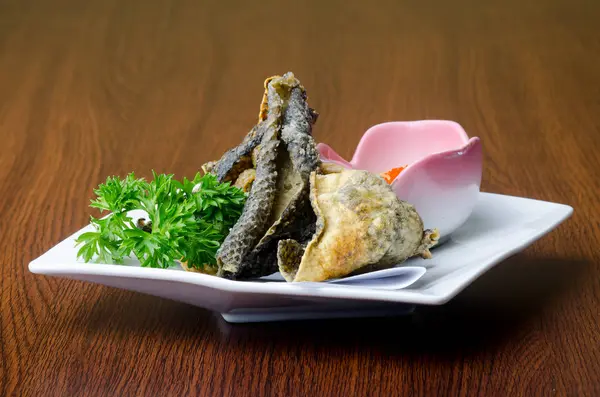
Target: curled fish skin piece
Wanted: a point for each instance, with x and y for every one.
(254, 221)
(238, 159)
(242, 157)
(291, 216)
(361, 226)
(289, 256)
(297, 134)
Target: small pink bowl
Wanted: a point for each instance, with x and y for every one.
(443, 172)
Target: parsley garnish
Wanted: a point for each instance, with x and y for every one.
(188, 220)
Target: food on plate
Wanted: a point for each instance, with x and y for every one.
(186, 221)
(282, 232)
(237, 159)
(297, 158)
(266, 205)
(361, 225)
(285, 157)
(246, 179)
(330, 168)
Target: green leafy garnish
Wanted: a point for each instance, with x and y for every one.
(188, 220)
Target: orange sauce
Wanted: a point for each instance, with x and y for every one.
(390, 175)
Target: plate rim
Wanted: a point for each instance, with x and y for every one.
(289, 289)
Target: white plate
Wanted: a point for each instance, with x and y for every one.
(499, 227)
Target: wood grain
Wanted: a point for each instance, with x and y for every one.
(94, 88)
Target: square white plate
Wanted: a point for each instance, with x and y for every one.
(499, 227)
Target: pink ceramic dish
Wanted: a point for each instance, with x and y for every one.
(443, 172)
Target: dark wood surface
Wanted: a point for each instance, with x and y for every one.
(94, 88)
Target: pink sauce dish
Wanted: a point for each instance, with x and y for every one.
(443, 170)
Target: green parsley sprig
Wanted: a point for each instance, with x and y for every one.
(188, 220)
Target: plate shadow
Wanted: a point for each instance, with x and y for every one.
(486, 314)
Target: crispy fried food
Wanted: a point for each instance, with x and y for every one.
(360, 224)
(232, 257)
(312, 221)
(245, 180)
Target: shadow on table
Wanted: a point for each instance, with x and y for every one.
(493, 309)
(484, 315)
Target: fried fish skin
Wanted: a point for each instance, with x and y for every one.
(296, 133)
(238, 159)
(245, 180)
(361, 224)
(251, 225)
(289, 256)
(242, 157)
(254, 221)
(291, 216)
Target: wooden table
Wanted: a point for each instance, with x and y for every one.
(95, 88)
